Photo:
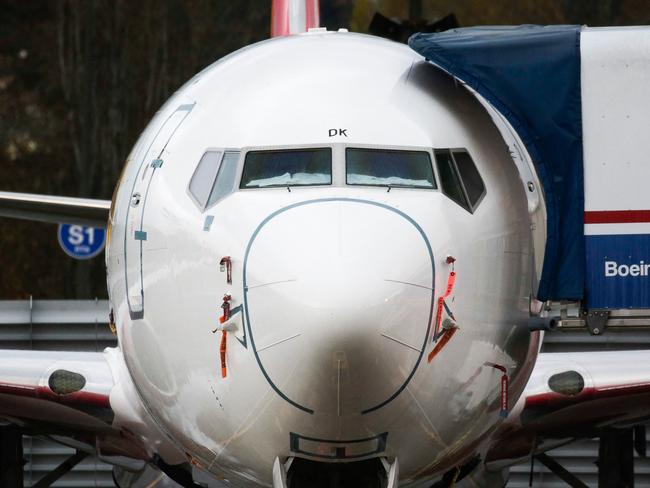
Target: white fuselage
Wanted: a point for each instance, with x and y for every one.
(338, 284)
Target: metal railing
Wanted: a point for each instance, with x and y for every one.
(71, 325)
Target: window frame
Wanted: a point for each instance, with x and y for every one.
(244, 155)
(451, 150)
(199, 205)
(394, 149)
(338, 165)
(233, 188)
(462, 181)
(204, 206)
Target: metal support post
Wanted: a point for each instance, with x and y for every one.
(616, 458)
(558, 470)
(60, 470)
(11, 457)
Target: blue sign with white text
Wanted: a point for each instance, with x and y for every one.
(618, 271)
(81, 242)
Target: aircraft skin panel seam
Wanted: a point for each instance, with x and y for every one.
(156, 164)
(135, 315)
(239, 308)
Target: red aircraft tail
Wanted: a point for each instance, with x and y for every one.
(294, 16)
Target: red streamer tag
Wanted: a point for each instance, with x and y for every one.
(504, 396)
(504, 388)
(450, 283)
(444, 339)
(226, 310)
(222, 350)
(441, 301)
(227, 263)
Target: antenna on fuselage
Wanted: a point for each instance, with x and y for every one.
(294, 16)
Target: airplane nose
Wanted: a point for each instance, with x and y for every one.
(339, 300)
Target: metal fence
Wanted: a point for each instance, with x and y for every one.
(83, 326)
(55, 325)
(69, 325)
(580, 457)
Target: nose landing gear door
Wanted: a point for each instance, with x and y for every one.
(151, 160)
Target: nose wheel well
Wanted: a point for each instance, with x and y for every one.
(370, 473)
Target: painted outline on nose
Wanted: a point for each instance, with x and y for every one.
(245, 286)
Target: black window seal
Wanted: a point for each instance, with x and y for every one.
(462, 181)
(470, 208)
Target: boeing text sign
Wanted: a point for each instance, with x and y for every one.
(81, 242)
(618, 271)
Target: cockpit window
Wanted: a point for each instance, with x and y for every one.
(387, 167)
(470, 177)
(287, 167)
(449, 179)
(225, 181)
(214, 177)
(203, 177)
(459, 178)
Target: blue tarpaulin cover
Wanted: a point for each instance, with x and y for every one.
(531, 75)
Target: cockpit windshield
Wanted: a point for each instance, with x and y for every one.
(388, 167)
(287, 167)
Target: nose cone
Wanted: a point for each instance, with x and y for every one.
(339, 296)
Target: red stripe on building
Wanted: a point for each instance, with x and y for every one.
(617, 216)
